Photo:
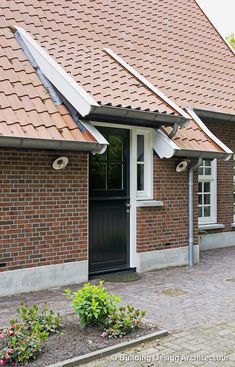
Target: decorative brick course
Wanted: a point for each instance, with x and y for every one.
(166, 227)
(43, 212)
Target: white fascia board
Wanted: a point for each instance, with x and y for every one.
(209, 133)
(97, 135)
(65, 84)
(144, 81)
(163, 145)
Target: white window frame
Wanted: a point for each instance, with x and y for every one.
(147, 193)
(213, 193)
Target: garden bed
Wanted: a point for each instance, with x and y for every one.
(73, 342)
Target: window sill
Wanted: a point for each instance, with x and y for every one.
(211, 226)
(233, 225)
(149, 203)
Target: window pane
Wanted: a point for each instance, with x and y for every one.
(115, 147)
(199, 199)
(200, 187)
(207, 163)
(207, 211)
(200, 211)
(98, 175)
(207, 198)
(208, 171)
(200, 171)
(140, 177)
(140, 148)
(115, 174)
(207, 186)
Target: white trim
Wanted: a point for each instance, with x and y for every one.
(149, 203)
(153, 260)
(73, 92)
(209, 133)
(42, 277)
(147, 84)
(212, 179)
(163, 145)
(206, 227)
(147, 193)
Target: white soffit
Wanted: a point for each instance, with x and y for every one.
(144, 81)
(65, 84)
(163, 145)
(209, 133)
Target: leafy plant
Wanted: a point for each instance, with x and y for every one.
(44, 320)
(23, 340)
(122, 321)
(18, 344)
(93, 304)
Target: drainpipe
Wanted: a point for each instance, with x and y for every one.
(174, 130)
(190, 209)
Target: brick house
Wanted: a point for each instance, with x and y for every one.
(99, 105)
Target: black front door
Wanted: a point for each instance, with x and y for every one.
(109, 204)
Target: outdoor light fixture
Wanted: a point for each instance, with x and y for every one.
(60, 163)
(181, 166)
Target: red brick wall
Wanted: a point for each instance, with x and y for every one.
(166, 227)
(43, 212)
(226, 133)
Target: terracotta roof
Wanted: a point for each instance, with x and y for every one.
(194, 138)
(171, 43)
(26, 107)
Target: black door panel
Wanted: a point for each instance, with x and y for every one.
(109, 204)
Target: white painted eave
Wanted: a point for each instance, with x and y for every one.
(201, 124)
(163, 145)
(65, 84)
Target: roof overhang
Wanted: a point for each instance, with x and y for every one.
(133, 117)
(216, 116)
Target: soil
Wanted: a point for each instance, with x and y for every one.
(72, 341)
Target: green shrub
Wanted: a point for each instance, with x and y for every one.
(122, 321)
(18, 344)
(23, 340)
(44, 320)
(93, 304)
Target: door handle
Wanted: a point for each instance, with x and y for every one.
(128, 205)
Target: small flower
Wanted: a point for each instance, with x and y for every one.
(10, 351)
(11, 332)
(13, 326)
(103, 335)
(2, 362)
(2, 336)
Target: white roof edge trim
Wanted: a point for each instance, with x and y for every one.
(144, 81)
(209, 133)
(66, 85)
(163, 145)
(97, 135)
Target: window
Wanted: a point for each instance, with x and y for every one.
(207, 192)
(143, 164)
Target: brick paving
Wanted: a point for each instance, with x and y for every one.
(197, 306)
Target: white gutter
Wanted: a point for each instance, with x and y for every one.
(209, 133)
(65, 84)
(145, 82)
(163, 145)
